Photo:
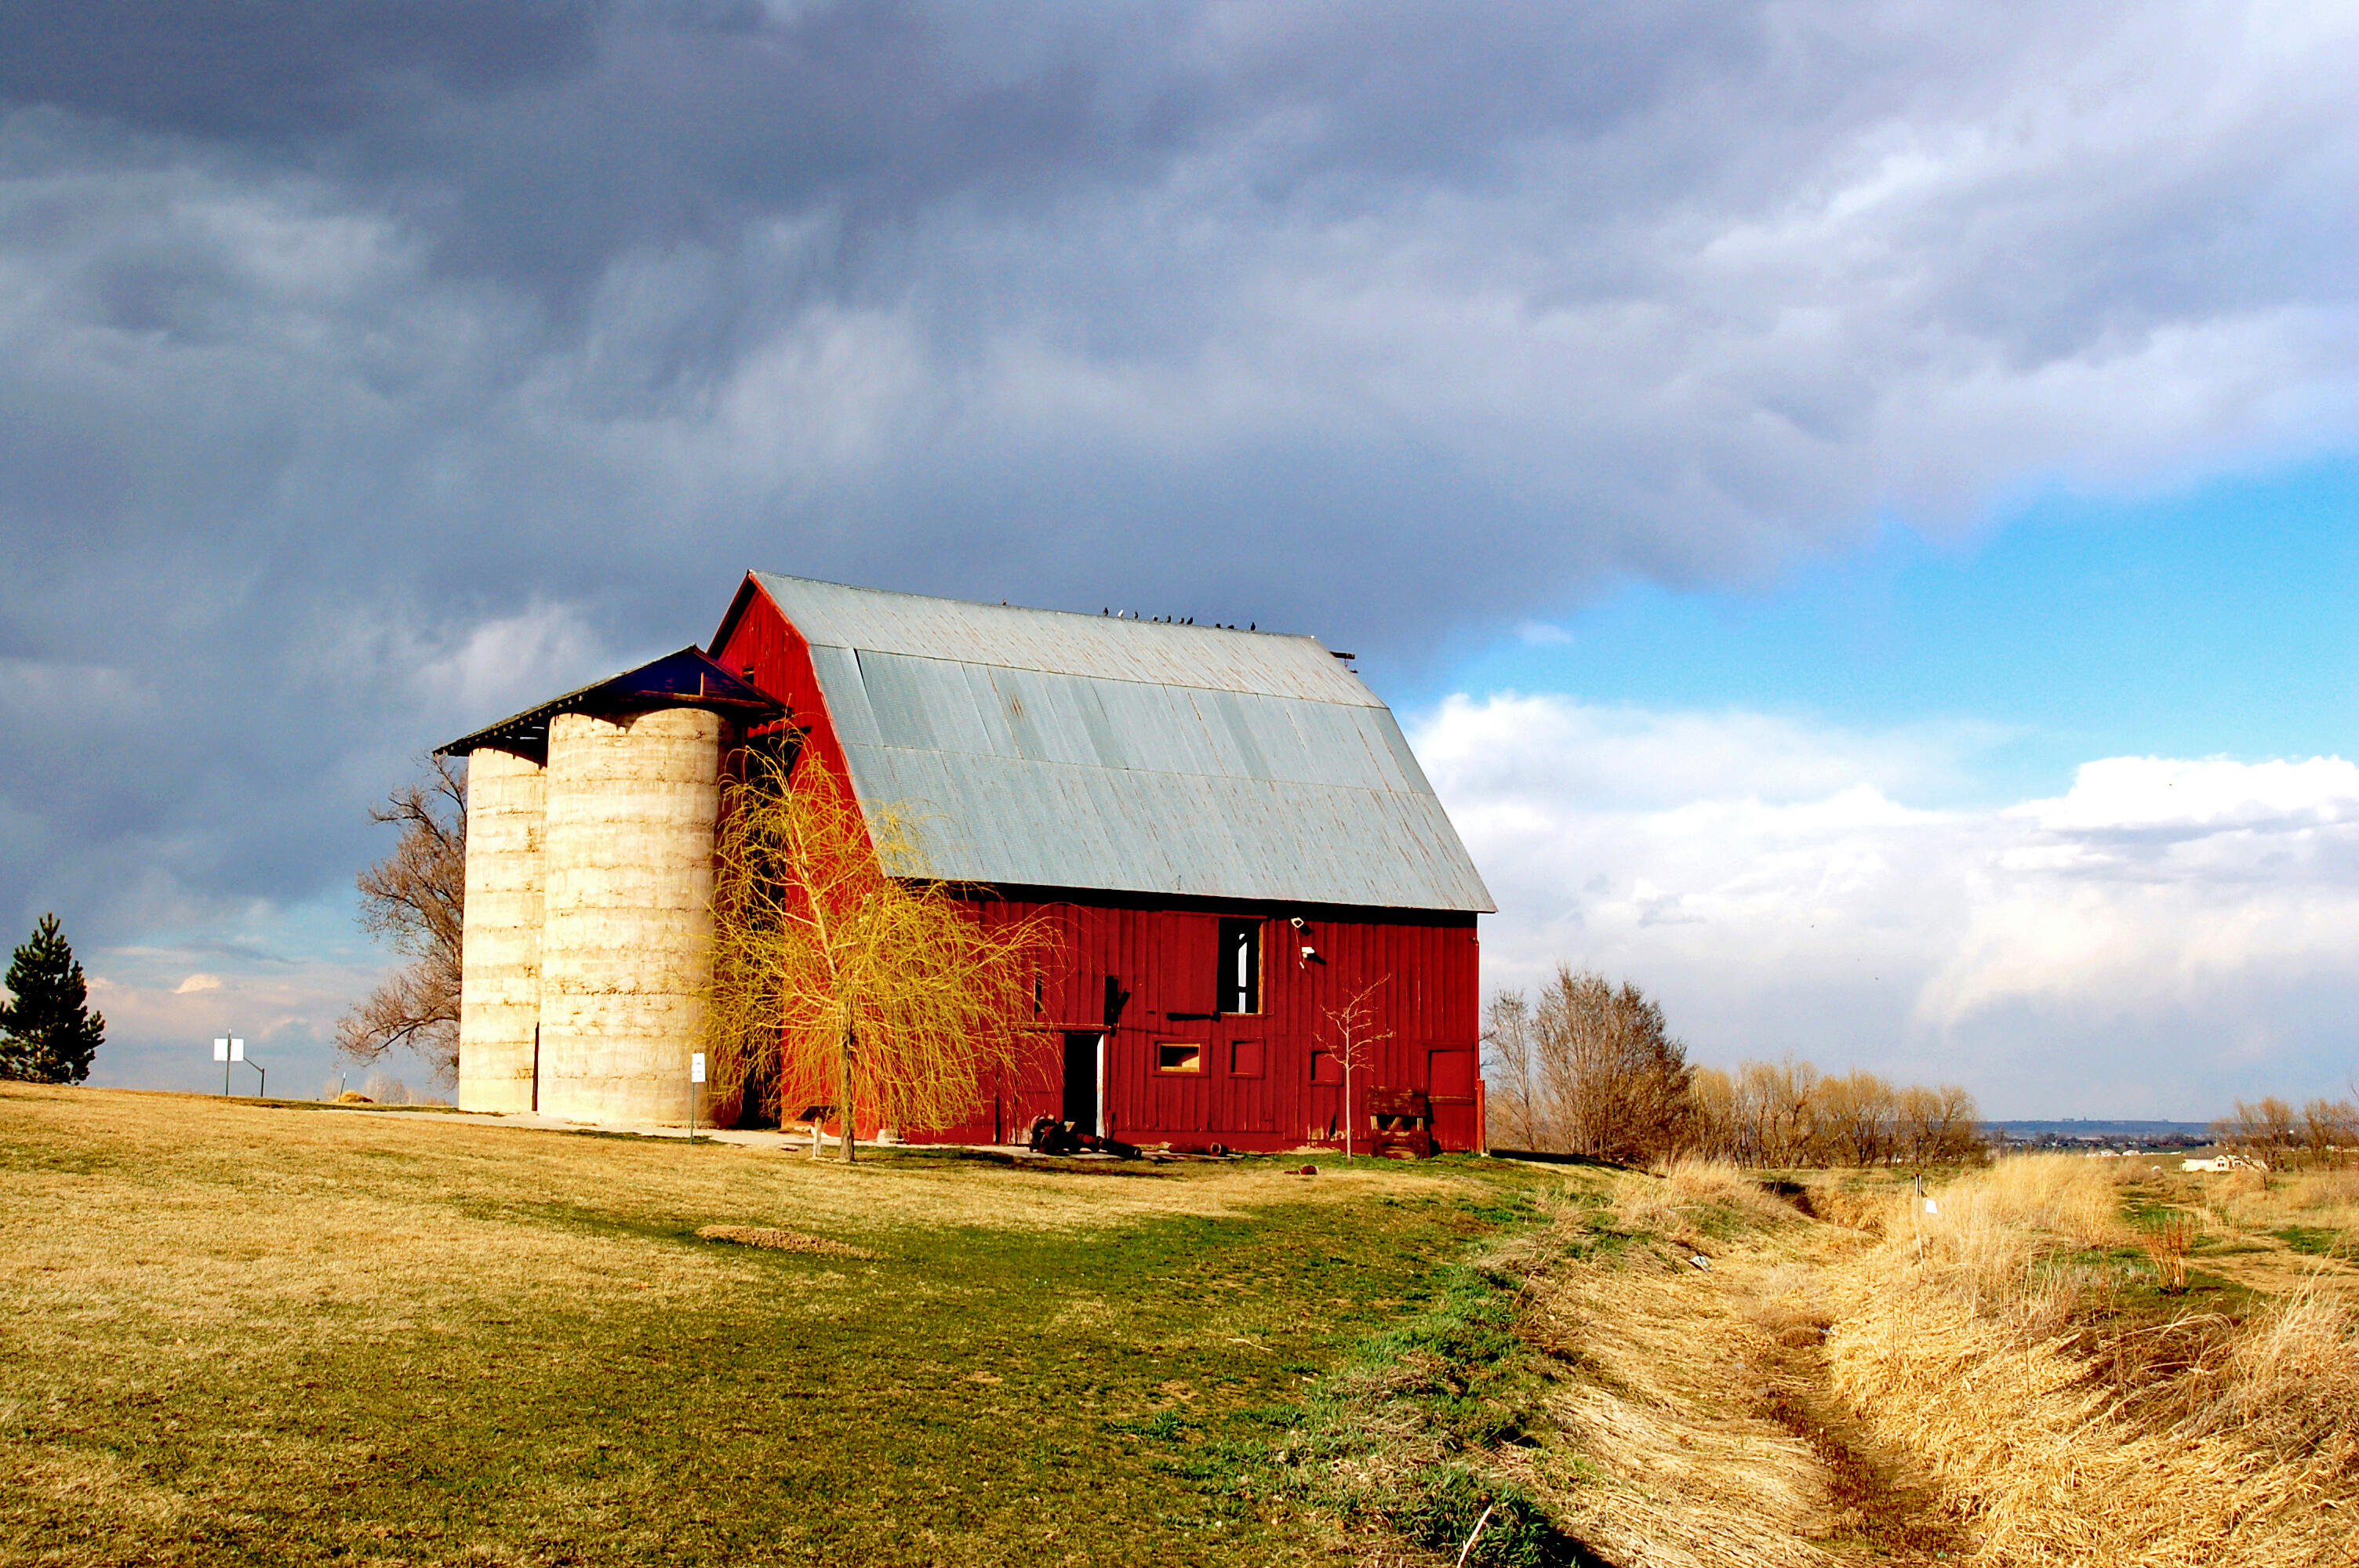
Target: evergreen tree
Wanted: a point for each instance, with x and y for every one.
(48, 1034)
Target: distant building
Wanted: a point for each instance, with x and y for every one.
(1229, 826)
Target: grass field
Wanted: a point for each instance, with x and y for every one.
(237, 1331)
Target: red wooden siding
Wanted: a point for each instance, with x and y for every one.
(1162, 958)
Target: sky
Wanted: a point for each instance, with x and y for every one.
(1855, 502)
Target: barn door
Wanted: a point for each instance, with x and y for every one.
(1083, 1082)
(1450, 1079)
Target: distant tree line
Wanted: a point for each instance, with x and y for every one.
(2324, 1132)
(1789, 1113)
(1589, 1067)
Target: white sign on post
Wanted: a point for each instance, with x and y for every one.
(220, 1050)
(237, 1050)
(696, 1067)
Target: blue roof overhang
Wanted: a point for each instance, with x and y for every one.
(689, 678)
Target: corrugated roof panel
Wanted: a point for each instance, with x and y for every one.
(1037, 747)
(904, 717)
(1335, 748)
(986, 717)
(1062, 826)
(1204, 716)
(1032, 719)
(1278, 741)
(1089, 700)
(1159, 728)
(1391, 733)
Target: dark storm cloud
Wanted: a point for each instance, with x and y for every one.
(280, 72)
(538, 140)
(369, 370)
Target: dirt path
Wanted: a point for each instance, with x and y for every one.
(1882, 1506)
(1698, 1429)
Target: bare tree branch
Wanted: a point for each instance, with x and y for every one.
(416, 896)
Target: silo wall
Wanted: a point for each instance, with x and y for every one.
(626, 946)
(499, 983)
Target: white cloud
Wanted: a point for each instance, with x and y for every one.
(277, 977)
(2166, 934)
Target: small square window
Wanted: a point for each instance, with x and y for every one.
(1178, 1056)
(1325, 1068)
(1244, 1058)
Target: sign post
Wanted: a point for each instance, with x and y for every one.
(695, 1080)
(228, 1051)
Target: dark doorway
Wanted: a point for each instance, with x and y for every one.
(1240, 983)
(1082, 1082)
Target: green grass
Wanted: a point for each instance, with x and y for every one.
(980, 1393)
(2314, 1240)
(1400, 1437)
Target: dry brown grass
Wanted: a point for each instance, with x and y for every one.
(1693, 1425)
(2321, 1190)
(232, 1332)
(1996, 1380)
(1854, 1201)
(779, 1240)
(1699, 1193)
(1976, 1338)
(391, 1222)
(1661, 1468)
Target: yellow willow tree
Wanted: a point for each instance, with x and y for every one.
(836, 982)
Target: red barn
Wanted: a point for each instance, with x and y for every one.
(1231, 825)
(1228, 826)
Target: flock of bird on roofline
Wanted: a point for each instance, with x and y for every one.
(1165, 620)
(1178, 620)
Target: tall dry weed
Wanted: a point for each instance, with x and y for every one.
(1973, 1337)
(1695, 1190)
(2326, 1190)
(2167, 1242)
(1983, 1236)
(2239, 1197)
(2293, 1377)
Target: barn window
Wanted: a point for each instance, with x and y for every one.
(1240, 988)
(1244, 1058)
(1177, 1056)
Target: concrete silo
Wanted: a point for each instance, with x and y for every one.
(499, 988)
(588, 924)
(626, 942)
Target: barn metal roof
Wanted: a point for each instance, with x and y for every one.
(1048, 749)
